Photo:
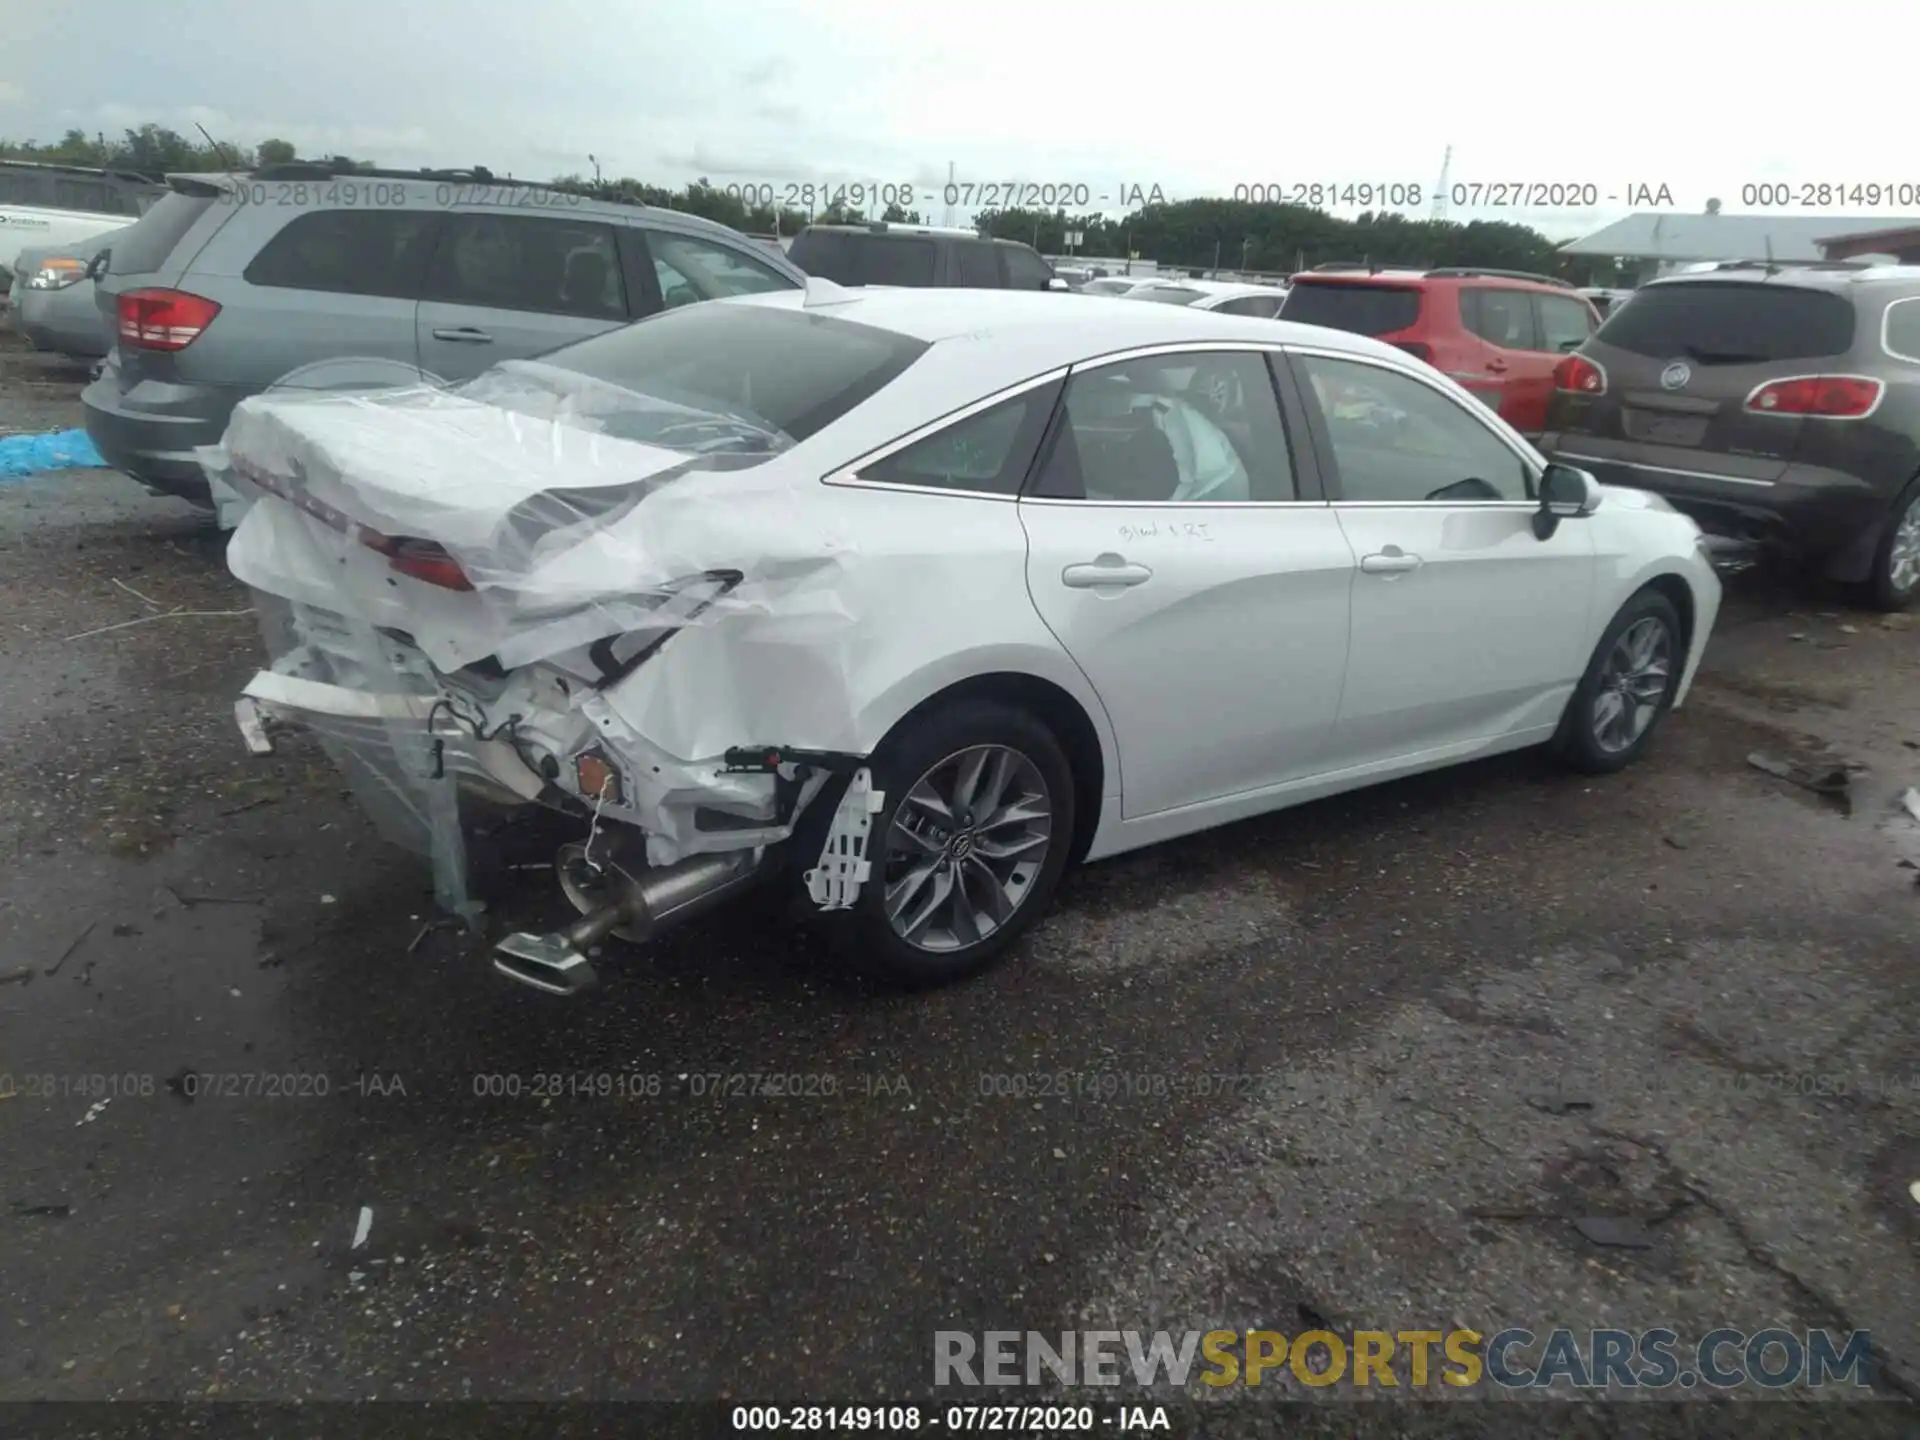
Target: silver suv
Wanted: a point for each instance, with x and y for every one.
(232, 284)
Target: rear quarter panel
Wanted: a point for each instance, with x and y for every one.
(931, 590)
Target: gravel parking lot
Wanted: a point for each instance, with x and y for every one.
(1475, 1008)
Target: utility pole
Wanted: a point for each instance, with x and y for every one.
(1439, 211)
(947, 220)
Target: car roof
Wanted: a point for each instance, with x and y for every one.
(682, 220)
(897, 227)
(1838, 276)
(1041, 331)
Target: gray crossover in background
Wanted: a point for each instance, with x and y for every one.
(1776, 404)
(233, 282)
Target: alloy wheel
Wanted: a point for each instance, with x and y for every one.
(965, 847)
(1632, 684)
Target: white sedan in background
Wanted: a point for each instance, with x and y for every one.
(1263, 302)
(904, 600)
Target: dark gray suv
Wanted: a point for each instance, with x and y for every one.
(917, 256)
(337, 277)
(1776, 404)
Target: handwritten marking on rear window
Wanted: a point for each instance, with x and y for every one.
(1167, 530)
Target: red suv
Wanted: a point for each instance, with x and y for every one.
(1500, 333)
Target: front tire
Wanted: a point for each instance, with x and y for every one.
(1895, 581)
(970, 841)
(1627, 689)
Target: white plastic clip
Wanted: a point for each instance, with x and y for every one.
(835, 882)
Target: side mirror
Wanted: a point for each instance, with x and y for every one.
(1565, 494)
(1056, 283)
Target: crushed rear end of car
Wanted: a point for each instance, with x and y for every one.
(459, 589)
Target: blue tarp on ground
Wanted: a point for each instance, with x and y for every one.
(36, 454)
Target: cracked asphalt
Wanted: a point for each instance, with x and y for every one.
(1369, 1064)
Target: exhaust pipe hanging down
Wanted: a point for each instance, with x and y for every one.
(626, 901)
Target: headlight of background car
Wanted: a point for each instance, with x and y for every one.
(58, 274)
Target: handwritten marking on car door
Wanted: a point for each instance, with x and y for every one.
(1170, 530)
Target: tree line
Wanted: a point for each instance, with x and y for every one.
(1198, 235)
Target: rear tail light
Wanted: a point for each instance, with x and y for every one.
(1836, 397)
(421, 559)
(1580, 375)
(163, 319)
(1415, 349)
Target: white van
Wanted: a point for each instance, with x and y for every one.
(48, 207)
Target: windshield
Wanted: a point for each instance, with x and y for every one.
(1727, 323)
(713, 379)
(1358, 308)
(1168, 295)
(1108, 287)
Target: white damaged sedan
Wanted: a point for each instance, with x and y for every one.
(905, 600)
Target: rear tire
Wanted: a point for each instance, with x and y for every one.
(948, 895)
(1894, 583)
(1627, 689)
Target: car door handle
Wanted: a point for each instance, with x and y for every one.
(466, 334)
(1107, 570)
(1498, 367)
(1391, 561)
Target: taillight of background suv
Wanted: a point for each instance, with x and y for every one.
(166, 320)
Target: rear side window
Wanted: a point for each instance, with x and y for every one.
(1262, 306)
(345, 252)
(145, 247)
(1499, 317)
(1565, 325)
(1359, 309)
(783, 372)
(516, 262)
(985, 454)
(976, 267)
(857, 258)
(1106, 287)
(1730, 323)
(1903, 329)
(1025, 269)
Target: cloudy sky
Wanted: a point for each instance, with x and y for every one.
(1702, 98)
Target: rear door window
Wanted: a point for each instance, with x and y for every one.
(976, 267)
(1359, 309)
(345, 252)
(1731, 323)
(513, 262)
(1499, 317)
(1025, 269)
(1565, 325)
